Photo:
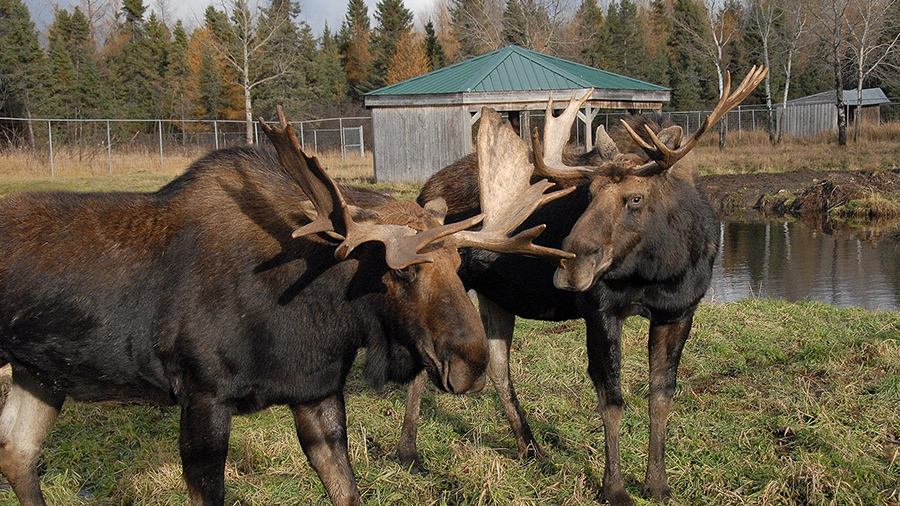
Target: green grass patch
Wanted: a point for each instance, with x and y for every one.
(778, 403)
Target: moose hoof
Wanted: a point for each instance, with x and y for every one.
(617, 497)
(661, 493)
(412, 464)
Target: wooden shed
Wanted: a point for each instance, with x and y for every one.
(425, 123)
(812, 114)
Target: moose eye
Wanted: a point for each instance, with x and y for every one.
(635, 202)
(406, 274)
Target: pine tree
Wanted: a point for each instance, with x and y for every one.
(329, 83)
(434, 51)
(131, 66)
(515, 26)
(657, 30)
(356, 54)
(22, 68)
(73, 81)
(591, 35)
(690, 73)
(394, 22)
(626, 32)
(288, 60)
(180, 94)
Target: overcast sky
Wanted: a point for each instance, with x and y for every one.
(314, 12)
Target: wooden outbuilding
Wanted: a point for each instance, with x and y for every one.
(812, 114)
(425, 123)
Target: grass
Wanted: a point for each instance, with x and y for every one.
(778, 403)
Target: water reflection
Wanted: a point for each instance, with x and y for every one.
(788, 260)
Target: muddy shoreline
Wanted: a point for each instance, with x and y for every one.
(861, 201)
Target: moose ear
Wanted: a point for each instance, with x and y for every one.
(604, 145)
(671, 136)
(437, 208)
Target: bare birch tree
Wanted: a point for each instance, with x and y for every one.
(831, 32)
(873, 39)
(793, 31)
(723, 28)
(764, 16)
(243, 42)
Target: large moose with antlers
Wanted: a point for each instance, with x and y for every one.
(223, 293)
(644, 241)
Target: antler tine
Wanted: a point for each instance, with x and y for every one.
(548, 158)
(332, 212)
(667, 157)
(507, 197)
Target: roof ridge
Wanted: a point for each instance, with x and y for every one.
(499, 55)
(532, 56)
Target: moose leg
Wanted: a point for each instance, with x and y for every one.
(604, 368)
(499, 325)
(28, 416)
(406, 447)
(322, 430)
(665, 346)
(205, 429)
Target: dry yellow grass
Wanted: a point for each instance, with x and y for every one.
(746, 152)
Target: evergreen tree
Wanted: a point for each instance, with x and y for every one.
(592, 36)
(74, 80)
(515, 26)
(180, 94)
(627, 52)
(329, 83)
(132, 66)
(288, 59)
(659, 26)
(690, 75)
(434, 51)
(394, 22)
(356, 53)
(22, 68)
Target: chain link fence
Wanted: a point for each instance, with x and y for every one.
(95, 146)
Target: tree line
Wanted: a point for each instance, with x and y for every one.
(119, 59)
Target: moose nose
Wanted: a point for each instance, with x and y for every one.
(463, 376)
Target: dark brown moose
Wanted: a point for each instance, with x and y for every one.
(644, 241)
(217, 293)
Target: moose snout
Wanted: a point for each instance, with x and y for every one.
(578, 274)
(463, 377)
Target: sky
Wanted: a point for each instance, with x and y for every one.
(190, 12)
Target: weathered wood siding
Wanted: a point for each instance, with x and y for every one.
(810, 119)
(412, 143)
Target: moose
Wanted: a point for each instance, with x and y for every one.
(248, 281)
(644, 241)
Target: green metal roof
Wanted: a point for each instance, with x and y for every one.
(513, 68)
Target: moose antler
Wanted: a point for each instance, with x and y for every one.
(665, 157)
(402, 243)
(548, 158)
(507, 197)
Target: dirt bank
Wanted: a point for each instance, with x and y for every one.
(865, 204)
(805, 193)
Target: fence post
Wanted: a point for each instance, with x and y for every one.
(740, 126)
(341, 127)
(161, 167)
(216, 132)
(361, 143)
(50, 139)
(108, 148)
(302, 142)
(316, 142)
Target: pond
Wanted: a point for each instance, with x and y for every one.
(791, 261)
